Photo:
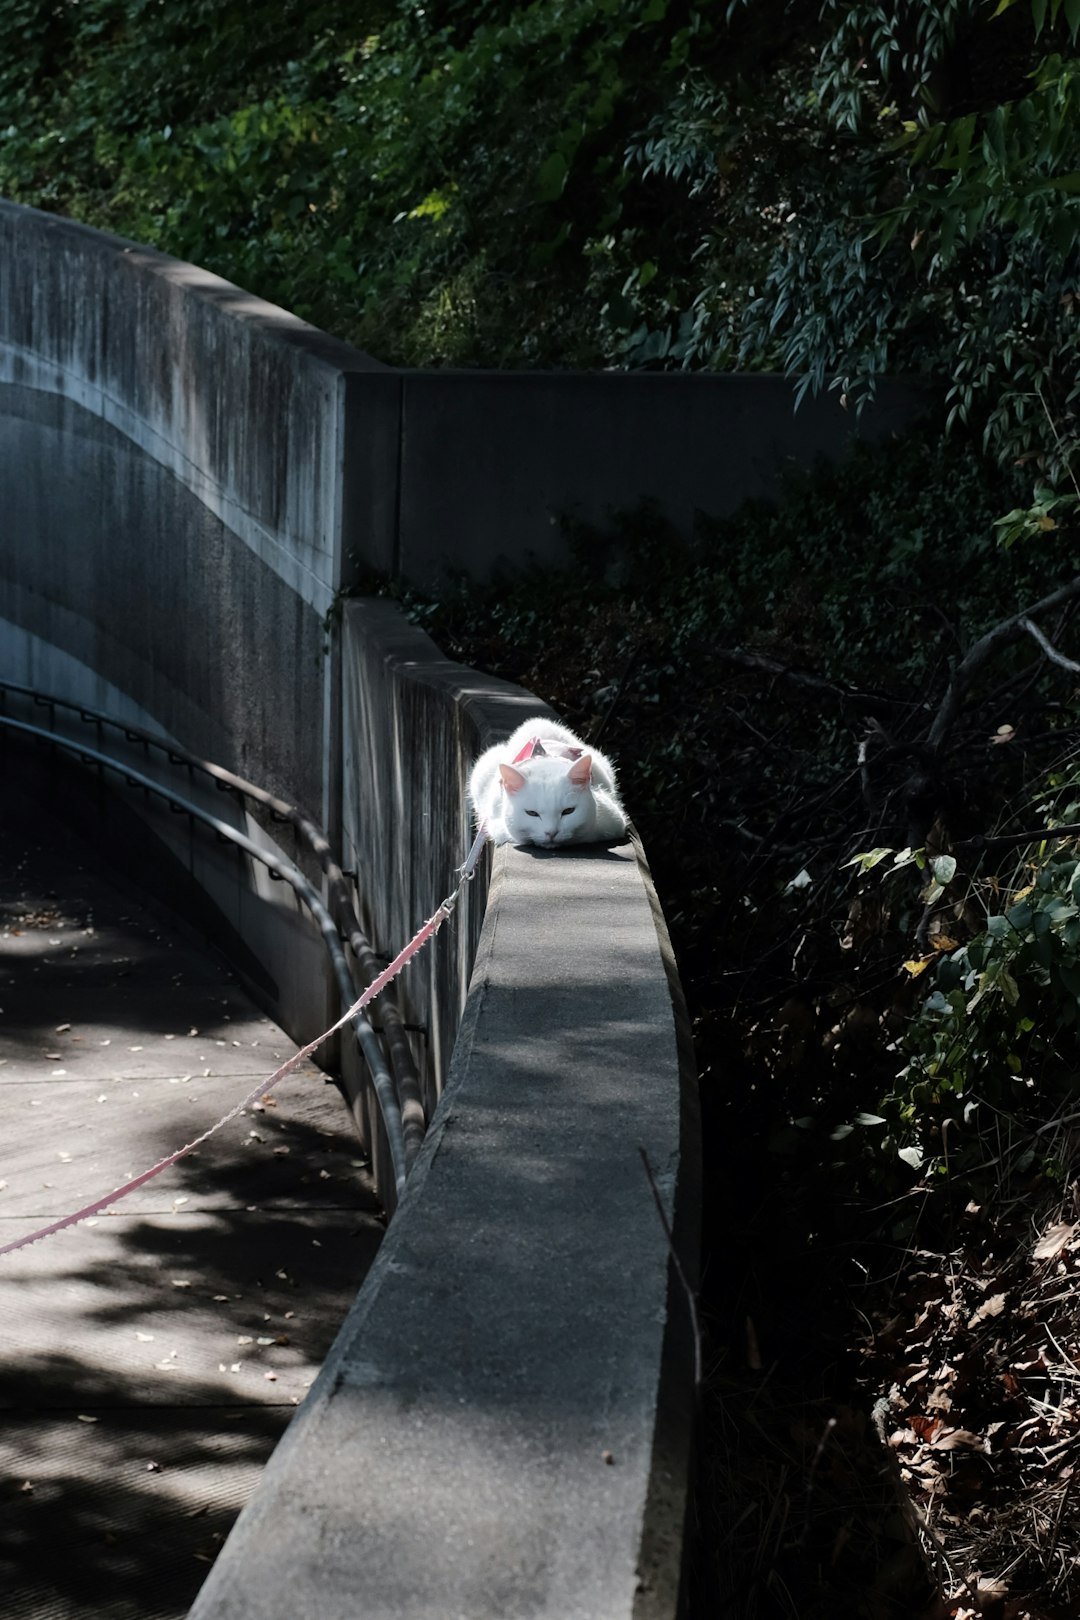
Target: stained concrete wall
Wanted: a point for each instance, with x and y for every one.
(241, 401)
(107, 556)
(171, 491)
(413, 722)
(172, 532)
(320, 461)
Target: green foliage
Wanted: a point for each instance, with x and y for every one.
(1069, 10)
(836, 190)
(921, 574)
(962, 260)
(1038, 519)
(439, 183)
(997, 1035)
(911, 207)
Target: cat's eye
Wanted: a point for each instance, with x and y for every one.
(568, 812)
(532, 812)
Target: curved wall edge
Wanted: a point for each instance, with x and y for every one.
(239, 400)
(503, 1424)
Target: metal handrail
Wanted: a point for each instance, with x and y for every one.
(406, 1078)
(279, 867)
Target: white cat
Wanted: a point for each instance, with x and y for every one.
(564, 794)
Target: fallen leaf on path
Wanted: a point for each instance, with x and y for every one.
(1054, 1241)
(959, 1440)
(989, 1307)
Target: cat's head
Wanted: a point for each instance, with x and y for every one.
(545, 801)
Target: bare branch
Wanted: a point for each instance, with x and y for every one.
(814, 683)
(1034, 835)
(1048, 647)
(980, 653)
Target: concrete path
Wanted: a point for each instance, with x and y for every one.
(148, 1362)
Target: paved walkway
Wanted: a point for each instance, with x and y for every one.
(148, 1362)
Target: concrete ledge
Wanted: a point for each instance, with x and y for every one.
(412, 723)
(483, 1438)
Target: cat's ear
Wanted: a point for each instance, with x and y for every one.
(512, 780)
(580, 772)
(539, 751)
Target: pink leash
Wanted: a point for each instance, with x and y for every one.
(466, 871)
(465, 874)
(419, 939)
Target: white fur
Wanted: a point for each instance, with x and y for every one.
(539, 801)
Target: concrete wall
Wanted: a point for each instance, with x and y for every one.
(320, 461)
(171, 536)
(241, 401)
(108, 557)
(171, 505)
(188, 478)
(490, 462)
(413, 723)
(218, 889)
(502, 1427)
